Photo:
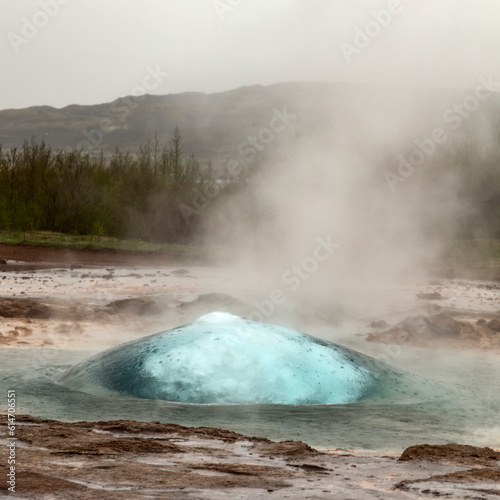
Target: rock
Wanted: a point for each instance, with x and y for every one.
(485, 475)
(39, 311)
(3, 262)
(287, 448)
(433, 308)
(420, 330)
(24, 308)
(430, 296)
(180, 272)
(379, 324)
(140, 307)
(481, 322)
(494, 325)
(443, 325)
(457, 453)
(214, 468)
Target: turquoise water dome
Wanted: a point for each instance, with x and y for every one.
(224, 359)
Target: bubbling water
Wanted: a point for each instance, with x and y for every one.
(224, 359)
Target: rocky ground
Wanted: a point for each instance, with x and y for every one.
(450, 329)
(452, 315)
(66, 300)
(125, 459)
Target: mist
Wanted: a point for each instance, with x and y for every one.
(375, 185)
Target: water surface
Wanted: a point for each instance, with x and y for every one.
(469, 415)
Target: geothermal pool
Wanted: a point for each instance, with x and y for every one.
(462, 407)
(221, 359)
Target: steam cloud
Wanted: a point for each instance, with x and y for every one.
(332, 181)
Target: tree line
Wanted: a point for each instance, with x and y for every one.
(155, 194)
(126, 195)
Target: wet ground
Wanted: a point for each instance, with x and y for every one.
(124, 459)
(56, 301)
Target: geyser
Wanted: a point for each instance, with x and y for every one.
(224, 359)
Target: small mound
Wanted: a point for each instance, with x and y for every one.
(24, 308)
(457, 453)
(137, 306)
(224, 359)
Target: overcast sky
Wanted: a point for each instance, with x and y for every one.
(94, 51)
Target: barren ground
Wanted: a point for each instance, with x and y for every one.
(124, 459)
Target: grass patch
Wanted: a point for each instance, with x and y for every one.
(86, 242)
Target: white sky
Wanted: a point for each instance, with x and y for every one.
(93, 51)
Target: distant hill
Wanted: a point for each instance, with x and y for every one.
(215, 125)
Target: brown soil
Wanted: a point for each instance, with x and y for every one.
(455, 453)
